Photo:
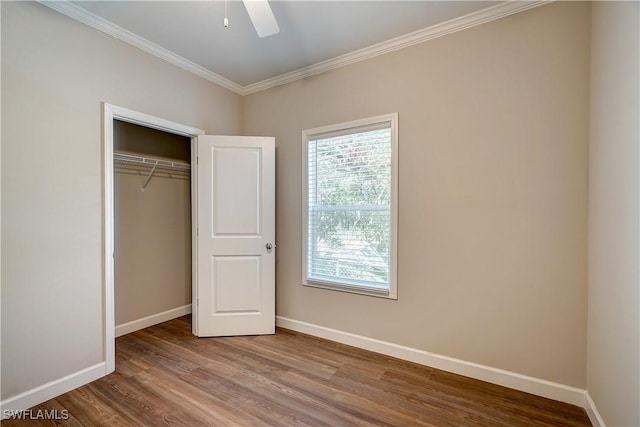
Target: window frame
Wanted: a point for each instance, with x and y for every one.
(392, 292)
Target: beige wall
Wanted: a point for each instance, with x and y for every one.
(152, 246)
(152, 256)
(493, 125)
(55, 74)
(613, 370)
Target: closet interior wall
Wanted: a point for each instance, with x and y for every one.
(152, 227)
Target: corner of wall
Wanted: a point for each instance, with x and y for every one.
(592, 411)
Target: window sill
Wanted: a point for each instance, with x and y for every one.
(361, 290)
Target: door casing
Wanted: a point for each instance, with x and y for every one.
(111, 113)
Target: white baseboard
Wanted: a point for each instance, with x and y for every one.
(52, 389)
(154, 319)
(63, 385)
(592, 411)
(548, 389)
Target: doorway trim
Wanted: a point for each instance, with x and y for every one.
(109, 114)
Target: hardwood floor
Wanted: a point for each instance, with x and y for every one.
(166, 376)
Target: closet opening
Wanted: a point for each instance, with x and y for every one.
(149, 244)
(152, 226)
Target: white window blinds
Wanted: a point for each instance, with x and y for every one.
(349, 207)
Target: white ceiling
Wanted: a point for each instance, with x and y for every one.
(310, 31)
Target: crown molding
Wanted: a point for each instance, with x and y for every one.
(483, 16)
(79, 14)
(457, 24)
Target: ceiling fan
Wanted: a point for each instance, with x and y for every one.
(261, 15)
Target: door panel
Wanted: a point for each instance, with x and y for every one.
(244, 273)
(235, 288)
(237, 182)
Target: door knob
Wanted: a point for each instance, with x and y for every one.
(270, 246)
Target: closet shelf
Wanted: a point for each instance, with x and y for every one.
(151, 162)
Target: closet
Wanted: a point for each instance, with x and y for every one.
(152, 218)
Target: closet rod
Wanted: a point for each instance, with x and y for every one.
(151, 161)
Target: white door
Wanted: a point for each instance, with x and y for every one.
(234, 288)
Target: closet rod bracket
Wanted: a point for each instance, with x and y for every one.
(149, 177)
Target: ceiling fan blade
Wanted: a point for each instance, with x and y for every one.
(262, 17)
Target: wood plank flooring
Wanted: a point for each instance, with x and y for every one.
(166, 376)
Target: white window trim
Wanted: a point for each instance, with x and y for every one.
(393, 262)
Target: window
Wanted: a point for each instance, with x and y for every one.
(350, 206)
